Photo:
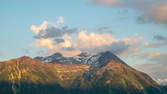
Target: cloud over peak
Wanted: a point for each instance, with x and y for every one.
(72, 41)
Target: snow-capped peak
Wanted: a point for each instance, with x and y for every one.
(96, 60)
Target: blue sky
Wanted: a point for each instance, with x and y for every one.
(122, 21)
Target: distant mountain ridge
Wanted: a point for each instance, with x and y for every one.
(102, 73)
(82, 58)
(59, 58)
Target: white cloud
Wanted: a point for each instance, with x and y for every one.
(48, 43)
(36, 29)
(89, 41)
(43, 26)
(71, 41)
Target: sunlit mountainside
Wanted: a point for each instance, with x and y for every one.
(104, 74)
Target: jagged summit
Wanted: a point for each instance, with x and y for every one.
(101, 60)
(83, 58)
(109, 54)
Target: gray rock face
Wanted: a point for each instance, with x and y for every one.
(95, 61)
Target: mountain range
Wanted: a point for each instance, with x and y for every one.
(86, 73)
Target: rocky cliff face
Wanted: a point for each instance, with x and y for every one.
(103, 73)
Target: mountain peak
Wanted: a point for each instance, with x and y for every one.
(109, 55)
(25, 57)
(102, 59)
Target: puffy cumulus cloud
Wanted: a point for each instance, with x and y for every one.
(134, 45)
(71, 41)
(48, 43)
(94, 40)
(62, 47)
(53, 32)
(44, 25)
(53, 37)
(152, 10)
(36, 29)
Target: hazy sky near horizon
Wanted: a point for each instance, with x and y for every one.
(135, 30)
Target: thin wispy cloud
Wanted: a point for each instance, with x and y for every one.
(155, 65)
(149, 10)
